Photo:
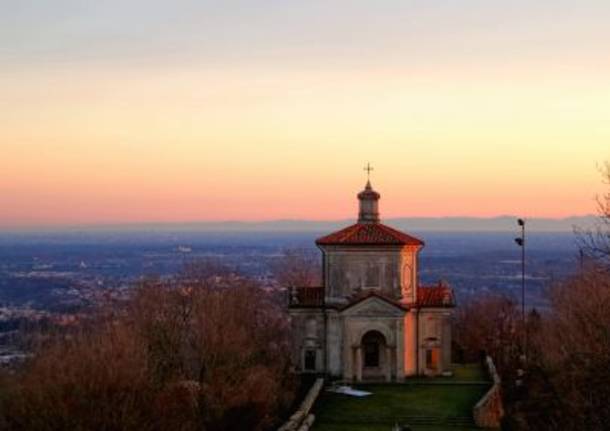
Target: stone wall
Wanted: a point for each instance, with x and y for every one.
(308, 334)
(488, 412)
(302, 420)
(349, 271)
(435, 333)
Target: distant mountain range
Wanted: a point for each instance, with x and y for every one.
(449, 224)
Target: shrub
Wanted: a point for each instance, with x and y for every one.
(195, 353)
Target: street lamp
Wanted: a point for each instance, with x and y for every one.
(521, 243)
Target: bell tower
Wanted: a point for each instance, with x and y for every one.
(369, 201)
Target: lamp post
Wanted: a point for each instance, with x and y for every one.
(521, 243)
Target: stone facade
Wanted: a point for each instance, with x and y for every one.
(371, 320)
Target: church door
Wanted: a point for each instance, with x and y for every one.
(373, 349)
(371, 355)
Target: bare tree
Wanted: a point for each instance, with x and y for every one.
(193, 353)
(595, 242)
(574, 345)
(298, 268)
(489, 324)
(567, 383)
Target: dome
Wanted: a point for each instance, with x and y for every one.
(368, 192)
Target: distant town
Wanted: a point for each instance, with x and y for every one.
(54, 278)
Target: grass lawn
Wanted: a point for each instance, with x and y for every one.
(461, 373)
(469, 372)
(443, 404)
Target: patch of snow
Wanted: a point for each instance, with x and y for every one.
(348, 390)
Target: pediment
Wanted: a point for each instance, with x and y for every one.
(375, 307)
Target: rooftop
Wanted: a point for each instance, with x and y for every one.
(369, 234)
(440, 295)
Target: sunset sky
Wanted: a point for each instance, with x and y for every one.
(135, 111)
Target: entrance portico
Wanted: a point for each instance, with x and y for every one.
(376, 358)
(375, 327)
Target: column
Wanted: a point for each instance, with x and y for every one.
(359, 363)
(348, 360)
(388, 363)
(398, 353)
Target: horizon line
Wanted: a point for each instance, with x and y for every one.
(136, 225)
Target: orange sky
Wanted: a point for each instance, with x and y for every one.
(473, 120)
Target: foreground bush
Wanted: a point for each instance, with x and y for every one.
(572, 349)
(194, 354)
(566, 384)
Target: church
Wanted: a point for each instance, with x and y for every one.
(371, 320)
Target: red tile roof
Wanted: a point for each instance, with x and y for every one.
(368, 234)
(440, 295)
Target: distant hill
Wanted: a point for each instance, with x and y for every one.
(448, 224)
(501, 223)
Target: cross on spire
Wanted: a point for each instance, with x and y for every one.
(368, 168)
